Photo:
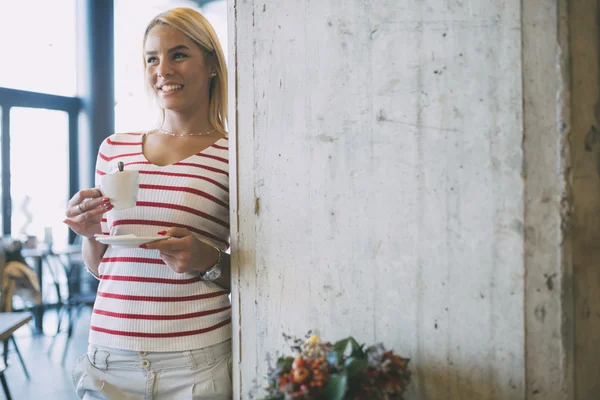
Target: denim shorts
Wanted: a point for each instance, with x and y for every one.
(113, 374)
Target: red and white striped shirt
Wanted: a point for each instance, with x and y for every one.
(142, 304)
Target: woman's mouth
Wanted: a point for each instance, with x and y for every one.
(170, 88)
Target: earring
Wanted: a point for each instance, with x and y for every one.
(213, 74)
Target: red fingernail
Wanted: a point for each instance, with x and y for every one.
(161, 233)
(143, 246)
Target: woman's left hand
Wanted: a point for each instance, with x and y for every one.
(183, 252)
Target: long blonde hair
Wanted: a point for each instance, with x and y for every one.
(193, 24)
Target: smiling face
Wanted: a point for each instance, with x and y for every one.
(177, 70)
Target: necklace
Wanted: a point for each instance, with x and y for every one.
(185, 134)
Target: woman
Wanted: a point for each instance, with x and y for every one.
(161, 325)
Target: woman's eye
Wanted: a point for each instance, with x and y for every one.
(150, 60)
(179, 55)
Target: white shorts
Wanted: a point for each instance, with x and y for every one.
(113, 374)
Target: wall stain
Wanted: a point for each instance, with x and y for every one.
(591, 138)
(381, 116)
(540, 313)
(517, 226)
(326, 139)
(377, 248)
(550, 281)
(257, 205)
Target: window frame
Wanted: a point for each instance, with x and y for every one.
(20, 98)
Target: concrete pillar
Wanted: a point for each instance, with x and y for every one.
(582, 203)
(95, 81)
(416, 172)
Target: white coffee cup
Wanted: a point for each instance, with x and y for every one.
(121, 188)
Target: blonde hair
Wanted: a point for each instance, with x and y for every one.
(193, 24)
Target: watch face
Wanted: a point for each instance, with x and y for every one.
(213, 274)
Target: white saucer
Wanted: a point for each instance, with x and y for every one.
(127, 241)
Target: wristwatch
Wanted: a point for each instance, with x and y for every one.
(214, 272)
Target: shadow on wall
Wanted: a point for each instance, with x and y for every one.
(466, 383)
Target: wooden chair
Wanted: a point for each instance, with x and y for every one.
(6, 298)
(3, 380)
(80, 294)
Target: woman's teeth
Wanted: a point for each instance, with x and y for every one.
(170, 88)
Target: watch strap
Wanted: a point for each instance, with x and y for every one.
(205, 276)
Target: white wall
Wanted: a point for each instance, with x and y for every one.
(388, 158)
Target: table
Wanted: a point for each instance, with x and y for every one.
(41, 256)
(10, 322)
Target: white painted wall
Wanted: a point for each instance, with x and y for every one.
(383, 180)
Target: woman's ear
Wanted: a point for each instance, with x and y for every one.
(212, 62)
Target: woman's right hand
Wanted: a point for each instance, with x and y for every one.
(85, 210)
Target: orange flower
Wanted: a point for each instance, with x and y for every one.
(298, 363)
(301, 375)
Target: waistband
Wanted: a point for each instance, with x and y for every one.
(106, 357)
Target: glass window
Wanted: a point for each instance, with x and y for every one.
(133, 107)
(40, 54)
(39, 172)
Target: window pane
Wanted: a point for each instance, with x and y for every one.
(38, 46)
(39, 162)
(133, 107)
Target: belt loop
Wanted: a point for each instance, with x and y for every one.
(190, 360)
(210, 354)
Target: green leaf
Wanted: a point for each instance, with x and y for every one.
(355, 367)
(285, 363)
(336, 386)
(370, 349)
(357, 349)
(283, 360)
(340, 347)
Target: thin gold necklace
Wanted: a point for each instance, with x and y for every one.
(185, 134)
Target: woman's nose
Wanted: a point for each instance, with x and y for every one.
(164, 69)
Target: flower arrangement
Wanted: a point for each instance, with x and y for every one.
(343, 370)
